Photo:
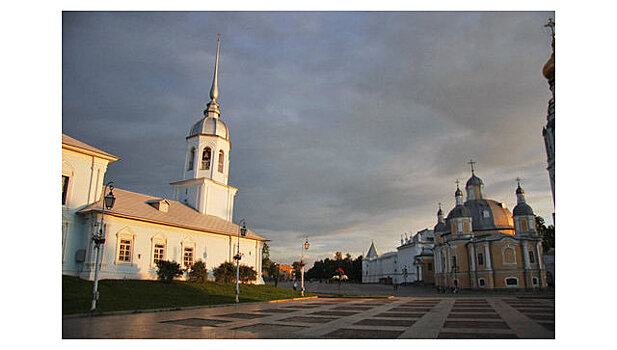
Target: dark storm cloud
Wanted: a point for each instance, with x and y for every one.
(345, 127)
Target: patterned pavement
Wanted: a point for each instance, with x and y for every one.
(403, 317)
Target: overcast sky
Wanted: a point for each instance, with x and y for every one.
(345, 127)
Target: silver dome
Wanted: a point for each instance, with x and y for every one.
(210, 126)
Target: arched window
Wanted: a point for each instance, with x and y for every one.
(221, 161)
(191, 159)
(205, 158)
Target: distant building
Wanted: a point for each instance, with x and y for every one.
(286, 271)
(412, 262)
(141, 230)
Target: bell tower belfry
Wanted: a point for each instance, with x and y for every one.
(206, 168)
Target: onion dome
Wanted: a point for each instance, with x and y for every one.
(522, 209)
(474, 180)
(210, 126)
(458, 192)
(460, 211)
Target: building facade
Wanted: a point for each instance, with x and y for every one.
(482, 245)
(141, 230)
(411, 262)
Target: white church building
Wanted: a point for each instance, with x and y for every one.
(140, 229)
(403, 266)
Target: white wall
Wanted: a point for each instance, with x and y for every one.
(211, 248)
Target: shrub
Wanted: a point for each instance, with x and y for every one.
(168, 270)
(198, 272)
(247, 274)
(226, 273)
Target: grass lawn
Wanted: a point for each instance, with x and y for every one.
(116, 295)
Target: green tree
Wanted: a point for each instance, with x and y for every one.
(168, 270)
(247, 274)
(297, 269)
(225, 273)
(546, 233)
(198, 272)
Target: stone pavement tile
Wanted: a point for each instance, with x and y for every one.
(541, 317)
(385, 323)
(242, 315)
(308, 319)
(278, 310)
(300, 306)
(522, 326)
(430, 324)
(548, 325)
(469, 335)
(346, 333)
(410, 309)
(474, 316)
(196, 322)
(476, 324)
(401, 314)
(536, 311)
(263, 331)
(352, 308)
(472, 308)
(333, 313)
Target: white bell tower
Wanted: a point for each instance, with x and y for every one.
(206, 169)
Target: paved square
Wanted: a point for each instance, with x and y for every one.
(451, 317)
(196, 322)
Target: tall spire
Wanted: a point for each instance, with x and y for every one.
(213, 107)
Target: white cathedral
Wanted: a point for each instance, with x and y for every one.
(139, 229)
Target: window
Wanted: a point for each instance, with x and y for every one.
(524, 226)
(486, 213)
(511, 282)
(159, 253)
(480, 259)
(460, 227)
(65, 188)
(534, 280)
(191, 159)
(481, 282)
(509, 256)
(205, 158)
(187, 259)
(532, 257)
(454, 262)
(467, 227)
(430, 267)
(125, 250)
(221, 161)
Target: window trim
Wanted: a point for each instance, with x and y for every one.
(503, 255)
(505, 281)
(203, 153)
(158, 239)
(191, 245)
(221, 165)
(125, 237)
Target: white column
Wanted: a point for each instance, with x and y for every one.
(472, 257)
(525, 255)
(487, 256)
(538, 257)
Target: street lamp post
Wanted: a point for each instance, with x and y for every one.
(305, 246)
(99, 240)
(237, 257)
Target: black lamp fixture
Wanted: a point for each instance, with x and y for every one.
(109, 198)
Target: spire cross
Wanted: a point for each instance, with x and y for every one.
(518, 180)
(457, 182)
(471, 162)
(440, 202)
